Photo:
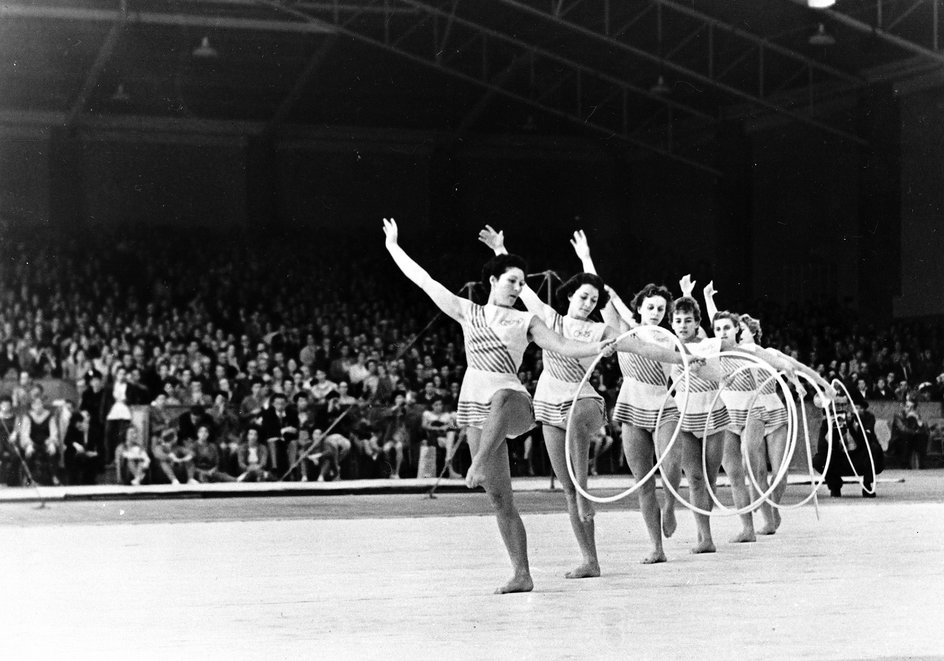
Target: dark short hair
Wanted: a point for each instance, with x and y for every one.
(730, 316)
(567, 290)
(501, 263)
(687, 304)
(649, 291)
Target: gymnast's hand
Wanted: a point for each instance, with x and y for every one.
(687, 285)
(581, 247)
(696, 363)
(709, 291)
(608, 348)
(390, 230)
(475, 476)
(494, 240)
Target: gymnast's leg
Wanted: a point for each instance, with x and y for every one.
(639, 450)
(587, 419)
(509, 415)
(733, 463)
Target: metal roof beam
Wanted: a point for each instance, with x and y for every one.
(680, 69)
(11, 10)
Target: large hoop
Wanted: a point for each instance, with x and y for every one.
(678, 427)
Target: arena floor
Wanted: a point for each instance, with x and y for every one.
(400, 576)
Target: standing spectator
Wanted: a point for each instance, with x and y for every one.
(116, 405)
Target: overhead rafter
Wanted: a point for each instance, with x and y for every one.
(91, 79)
(54, 12)
(301, 83)
(417, 41)
(571, 21)
(885, 21)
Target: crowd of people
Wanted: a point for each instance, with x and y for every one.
(279, 358)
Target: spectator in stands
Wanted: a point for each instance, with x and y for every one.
(82, 457)
(206, 458)
(253, 458)
(131, 459)
(280, 430)
(881, 391)
(909, 442)
(9, 361)
(117, 406)
(39, 439)
(441, 431)
(9, 450)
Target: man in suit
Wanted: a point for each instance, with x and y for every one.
(280, 431)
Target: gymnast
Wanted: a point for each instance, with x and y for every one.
(581, 296)
(493, 404)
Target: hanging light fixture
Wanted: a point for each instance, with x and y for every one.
(821, 37)
(660, 87)
(820, 4)
(120, 95)
(205, 50)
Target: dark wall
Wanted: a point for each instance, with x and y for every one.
(922, 206)
(805, 216)
(24, 175)
(164, 183)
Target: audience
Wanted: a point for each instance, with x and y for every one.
(261, 352)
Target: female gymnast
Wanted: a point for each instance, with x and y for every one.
(641, 395)
(764, 431)
(582, 294)
(493, 404)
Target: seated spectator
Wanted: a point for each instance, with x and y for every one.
(881, 391)
(39, 439)
(253, 458)
(174, 456)
(82, 457)
(909, 442)
(206, 458)
(441, 430)
(10, 466)
(131, 459)
(280, 430)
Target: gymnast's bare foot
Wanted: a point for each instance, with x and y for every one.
(653, 558)
(772, 523)
(669, 524)
(767, 529)
(703, 546)
(586, 570)
(519, 583)
(743, 536)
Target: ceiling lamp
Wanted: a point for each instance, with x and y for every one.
(205, 50)
(660, 87)
(822, 38)
(820, 4)
(120, 95)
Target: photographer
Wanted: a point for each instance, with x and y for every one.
(857, 441)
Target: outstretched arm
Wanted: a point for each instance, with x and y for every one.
(545, 338)
(496, 241)
(442, 297)
(805, 369)
(652, 351)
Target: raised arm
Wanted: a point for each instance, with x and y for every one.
(617, 314)
(442, 297)
(582, 248)
(710, 308)
(496, 241)
(545, 338)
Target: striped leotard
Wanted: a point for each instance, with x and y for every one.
(495, 339)
(644, 389)
(700, 411)
(558, 382)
